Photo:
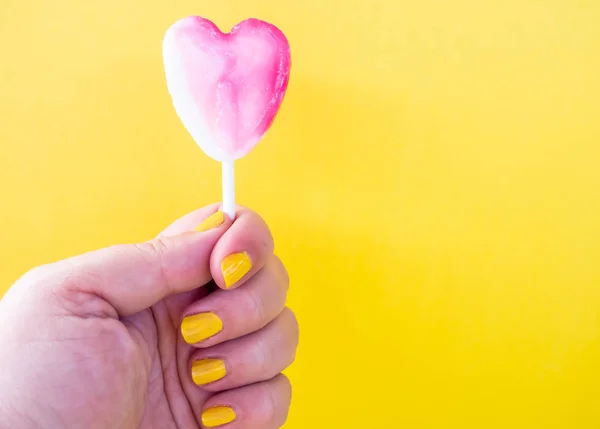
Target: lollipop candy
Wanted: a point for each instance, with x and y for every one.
(226, 87)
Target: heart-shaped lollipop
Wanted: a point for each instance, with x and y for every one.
(226, 87)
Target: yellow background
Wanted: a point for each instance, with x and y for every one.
(432, 181)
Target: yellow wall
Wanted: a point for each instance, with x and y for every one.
(432, 181)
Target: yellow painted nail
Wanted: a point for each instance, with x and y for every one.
(211, 222)
(217, 416)
(234, 267)
(206, 371)
(199, 327)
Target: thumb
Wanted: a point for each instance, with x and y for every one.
(133, 277)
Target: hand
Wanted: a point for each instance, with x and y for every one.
(189, 330)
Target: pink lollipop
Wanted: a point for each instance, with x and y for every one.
(226, 87)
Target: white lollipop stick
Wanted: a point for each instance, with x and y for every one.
(228, 189)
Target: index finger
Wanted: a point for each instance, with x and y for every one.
(241, 251)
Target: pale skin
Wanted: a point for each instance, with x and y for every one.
(96, 341)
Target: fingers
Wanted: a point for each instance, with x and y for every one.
(225, 315)
(259, 406)
(247, 360)
(242, 251)
(133, 277)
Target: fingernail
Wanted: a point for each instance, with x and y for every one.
(199, 327)
(217, 416)
(234, 267)
(211, 222)
(206, 371)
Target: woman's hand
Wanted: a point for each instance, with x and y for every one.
(189, 330)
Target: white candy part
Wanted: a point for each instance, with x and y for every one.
(187, 110)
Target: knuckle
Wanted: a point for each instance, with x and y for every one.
(292, 324)
(153, 248)
(291, 335)
(266, 243)
(280, 397)
(286, 386)
(262, 357)
(281, 271)
(267, 411)
(256, 307)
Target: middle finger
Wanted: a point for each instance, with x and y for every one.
(225, 315)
